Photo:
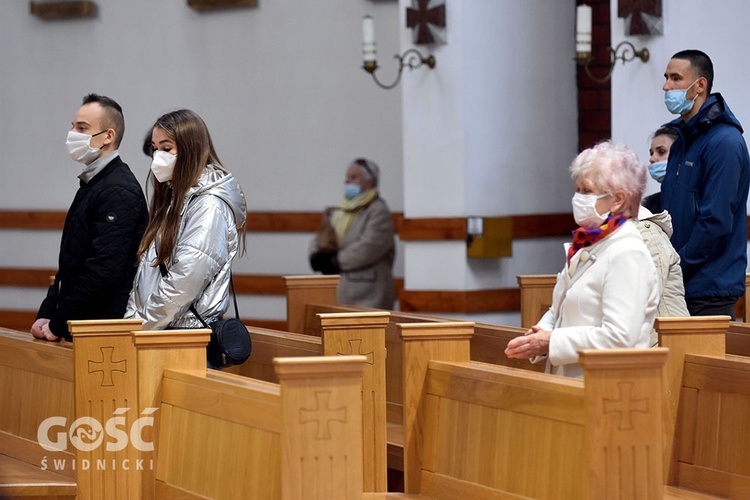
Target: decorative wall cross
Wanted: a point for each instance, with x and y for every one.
(322, 415)
(423, 19)
(642, 17)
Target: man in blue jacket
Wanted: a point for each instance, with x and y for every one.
(706, 186)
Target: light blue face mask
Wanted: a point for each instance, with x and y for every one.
(658, 170)
(677, 103)
(352, 190)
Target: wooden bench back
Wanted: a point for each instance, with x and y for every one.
(269, 344)
(475, 430)
(342, 334)
(711, 452)
(36, 382)
(227, 436)
(738, 339)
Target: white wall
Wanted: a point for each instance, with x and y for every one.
(280, 87)
(490, 131)
(715, 27)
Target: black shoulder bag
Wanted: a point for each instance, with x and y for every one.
(230, 342)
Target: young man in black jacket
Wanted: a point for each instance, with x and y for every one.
(103, 226)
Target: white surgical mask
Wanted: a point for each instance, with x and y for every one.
(79, 147)
(163, 165)
(584, 210)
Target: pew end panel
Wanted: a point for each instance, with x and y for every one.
(309, 289)
(536, 297)
(363, 333)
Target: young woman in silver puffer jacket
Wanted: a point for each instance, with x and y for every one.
(196, 227)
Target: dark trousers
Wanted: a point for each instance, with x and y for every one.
(711, 306)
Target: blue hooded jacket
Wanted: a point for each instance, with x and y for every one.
(705, 190)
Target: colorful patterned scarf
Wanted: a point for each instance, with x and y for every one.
(583, 237)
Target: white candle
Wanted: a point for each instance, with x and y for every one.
(583, 28)
(368, 38)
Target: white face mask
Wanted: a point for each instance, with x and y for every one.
(163, 165)
(584, 210)
(79, 147)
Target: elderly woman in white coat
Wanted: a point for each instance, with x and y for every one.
(607, 294)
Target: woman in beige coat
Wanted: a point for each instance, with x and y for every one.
(364, 247)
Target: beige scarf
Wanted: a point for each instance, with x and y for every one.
(342, 218)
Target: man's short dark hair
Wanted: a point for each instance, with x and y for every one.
(113, 117)
(701, 64)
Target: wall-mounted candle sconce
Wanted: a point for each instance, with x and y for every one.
(411, 58)
(625, 51)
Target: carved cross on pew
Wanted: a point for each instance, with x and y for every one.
(640, 11)
(322, 415)
(421, 17)
(625, 406)
(355, 348)
(108, 366)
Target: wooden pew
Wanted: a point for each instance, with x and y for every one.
(309, 297)
(480, 431)
(131, 385)
(227, 436)
(708, 405)
(36, 382)
(536, 298)
(342, 334)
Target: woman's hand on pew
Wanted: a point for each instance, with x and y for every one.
(534, 343)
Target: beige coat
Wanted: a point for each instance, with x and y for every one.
(656, 229)
(365, 257)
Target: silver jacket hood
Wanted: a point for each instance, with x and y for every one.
(199, 270)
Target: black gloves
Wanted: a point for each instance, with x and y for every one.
(325, 262)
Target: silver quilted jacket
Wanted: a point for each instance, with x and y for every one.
(199, 270)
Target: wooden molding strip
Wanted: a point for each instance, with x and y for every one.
(10, 276)
(425, 229)
(244, 284)
(432, 229)
(460, 301)
(32, 219)
(63, 10)
(220, 4)
(22, 321)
